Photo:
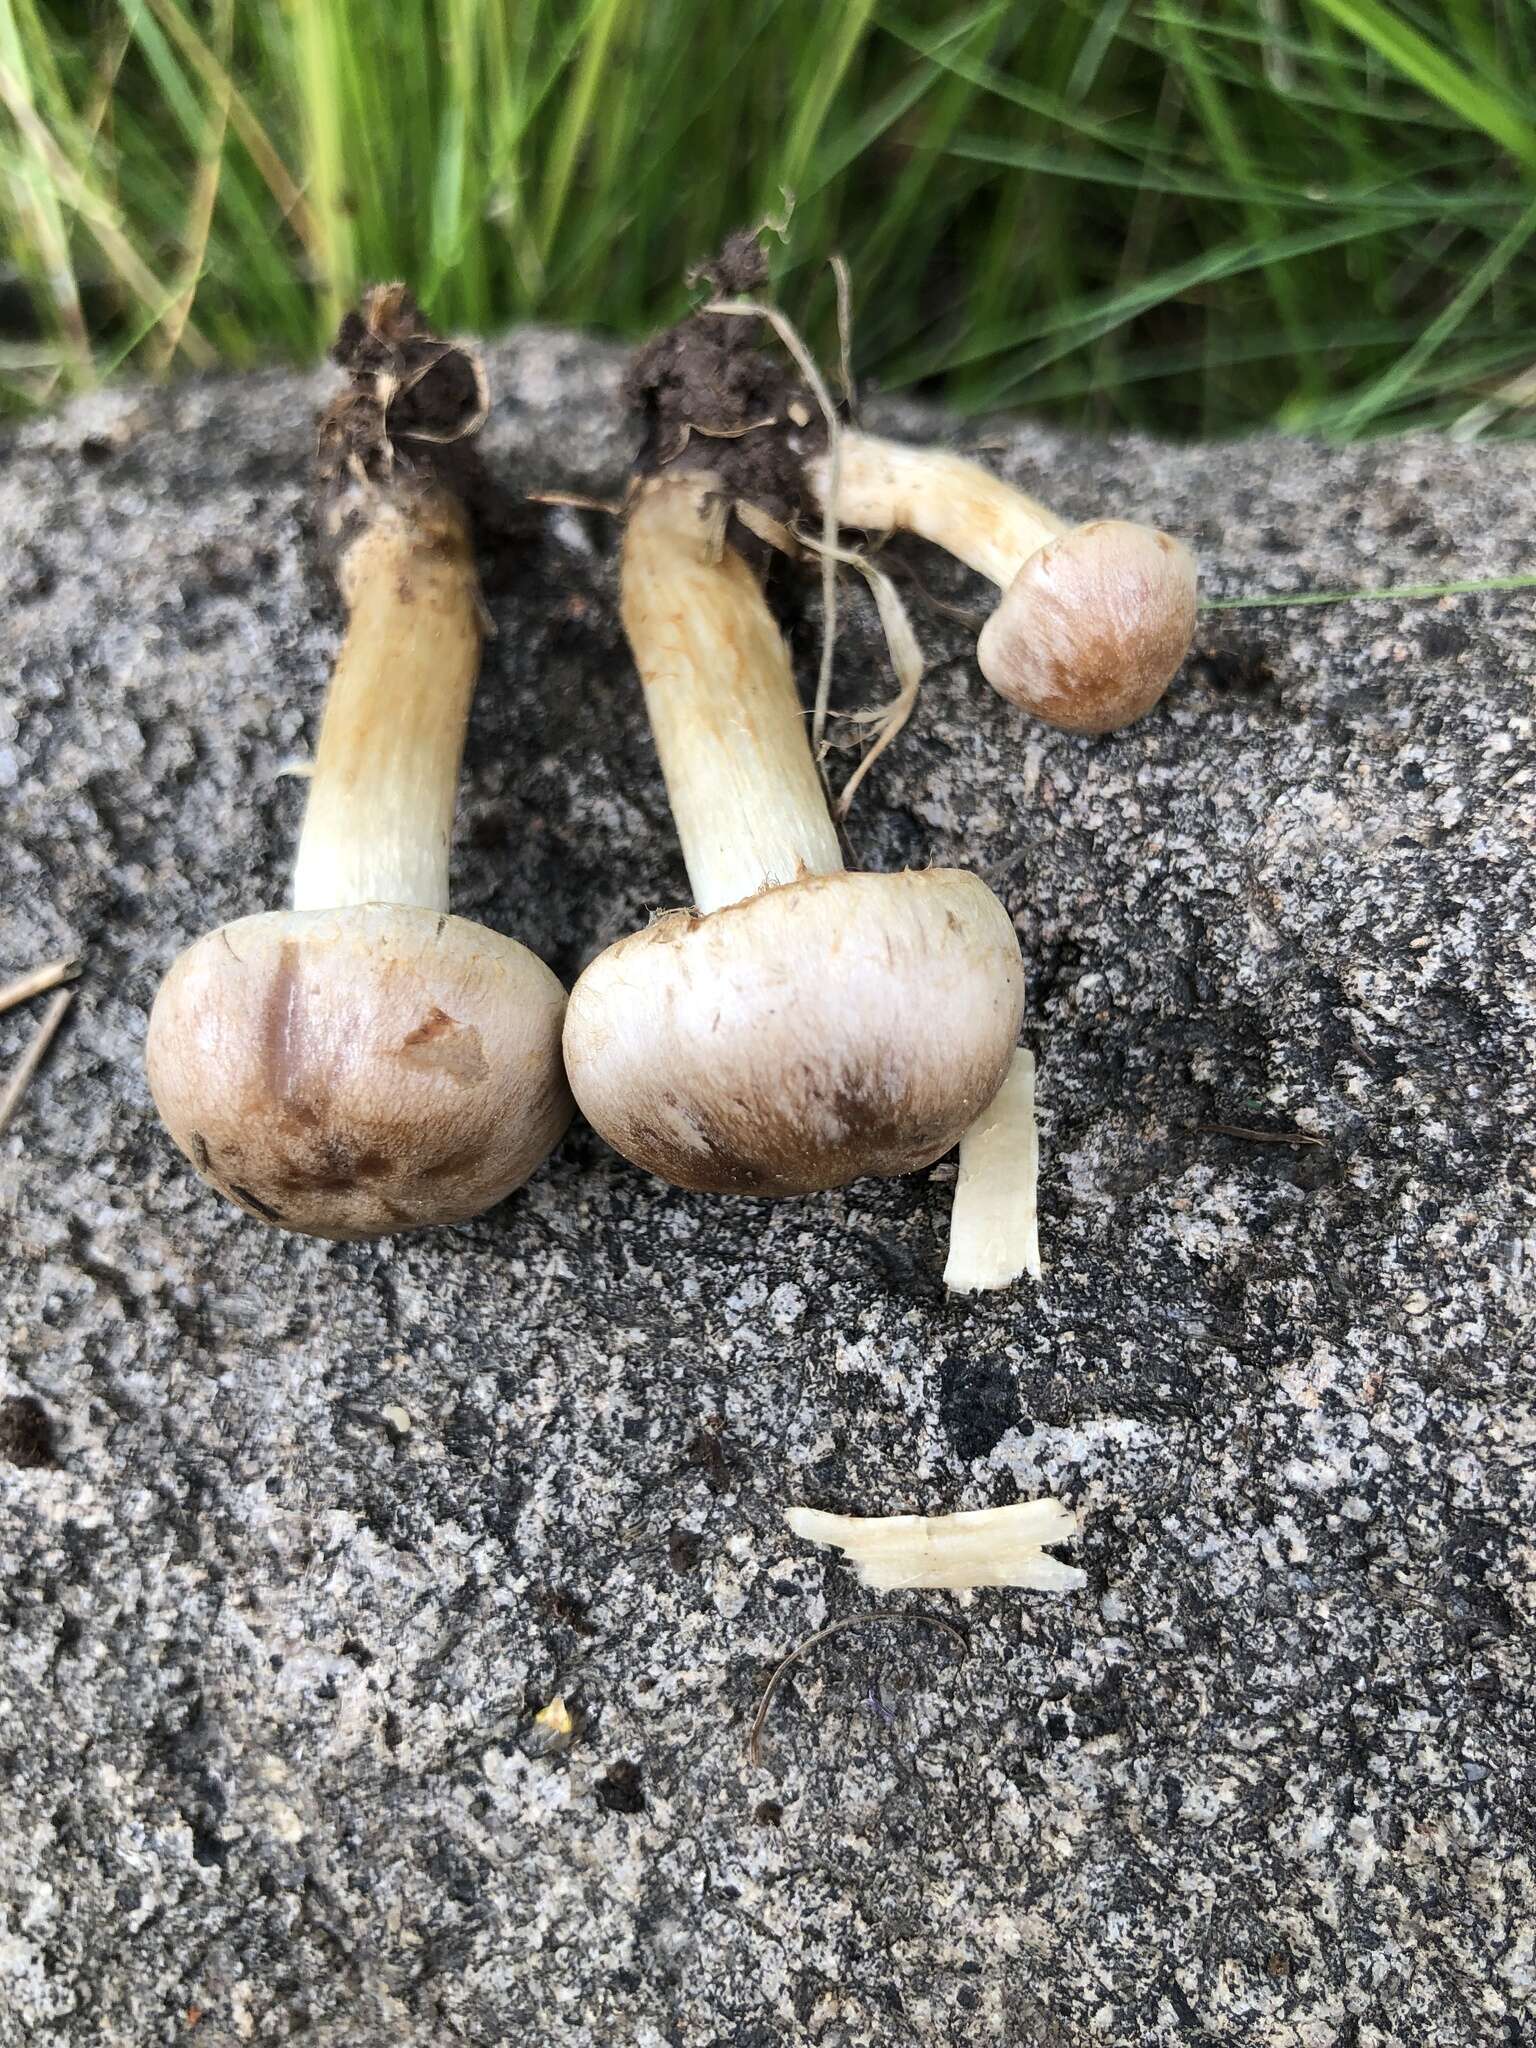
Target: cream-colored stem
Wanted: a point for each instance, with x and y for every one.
(978, 1547)
(386, 775)
(994, 1230)
(747, 801)
(885, 487)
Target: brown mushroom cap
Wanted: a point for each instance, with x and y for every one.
(837, 1026)
(353, 1072)
(1093, 628)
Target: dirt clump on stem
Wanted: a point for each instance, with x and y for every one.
(710, 398)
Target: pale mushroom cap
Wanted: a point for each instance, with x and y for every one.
(837, 1026)
(354, 1072)
(1093, 628)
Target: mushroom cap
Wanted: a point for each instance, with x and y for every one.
(835, 1026)
(353, 1072)
(1093, 628)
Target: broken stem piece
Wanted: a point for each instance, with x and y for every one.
(983, 1547)
(994, 1232)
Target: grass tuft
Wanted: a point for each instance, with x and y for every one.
(1193, 219)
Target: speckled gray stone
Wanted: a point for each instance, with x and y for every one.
(325, 1526)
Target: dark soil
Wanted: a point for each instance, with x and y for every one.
(711, 398)
(410, 418)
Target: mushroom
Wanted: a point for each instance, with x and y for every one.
(1094, 620)
(365, 1062)
(799, 1026)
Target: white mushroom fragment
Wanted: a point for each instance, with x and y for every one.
(364, 1062)
(982, 1547)
(994, 1232)
(1094, 620)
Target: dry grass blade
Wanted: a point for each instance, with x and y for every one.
(36, 982)
(16, 1086)
(612, 506)
(258, 143)
(754, 1737)
(1254, 1137)
(844, 281)
(205, 192)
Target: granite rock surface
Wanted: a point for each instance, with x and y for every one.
(297, 1539)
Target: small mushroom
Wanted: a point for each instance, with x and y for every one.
(364, 1062)
(800, 1026)
(1094, 619)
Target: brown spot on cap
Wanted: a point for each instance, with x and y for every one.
(440, 1044)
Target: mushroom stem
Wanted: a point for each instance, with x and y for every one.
(884, 487)
(746, 799)
(381, 800)
(994, 1231)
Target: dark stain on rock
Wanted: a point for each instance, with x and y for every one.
(26, 1434)
(619, 1790)
(255, 1202)
(706, 1453)
(978, 1403)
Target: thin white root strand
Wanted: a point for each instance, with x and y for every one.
(805, 362)
(994, 1227)
(906, 660)
(984, 1547)
(900, 640)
